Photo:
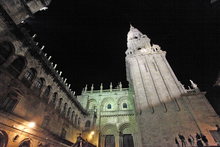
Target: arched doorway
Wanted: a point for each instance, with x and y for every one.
(109, 131)
(3, 139)
(25, 143)
(128, 140)
(109, 141)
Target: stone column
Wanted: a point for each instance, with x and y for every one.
(120, 140)
(102, 141)
(116, 140)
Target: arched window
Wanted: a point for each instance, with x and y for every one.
(64, 109)
(54, 98)
(38, 86)
(29, 76)
(72, 116)
(47, 92)
(109, 106)
(17, 66)
(68, 112)
(79, 121)
(8, 103)
(3, 139)
(45, 122)
(25, 143)
(60, 102)
(6, 49)
(76, 118)
(39, 83)
(125, 105)
(88, 123)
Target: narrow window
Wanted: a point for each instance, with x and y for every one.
(72, 116)
(109, 106)
(68, 112)
(125, 105)
(60, 102)
(47, 91)
(79, 121)
(64, 109)
(54, 98)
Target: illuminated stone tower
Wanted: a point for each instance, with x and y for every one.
(164, 108)
(150, 74)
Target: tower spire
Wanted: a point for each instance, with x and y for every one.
(136, 40)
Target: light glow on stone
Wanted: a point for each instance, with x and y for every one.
(31, 125)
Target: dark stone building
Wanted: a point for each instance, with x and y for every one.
(37, 106)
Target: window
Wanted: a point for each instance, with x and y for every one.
(60, 102)
(6, 49)
(54, 98)
(30, 74)
(29, 77)
(109, 106)
(64, 109)
(68, 112)
(79, 121)
(125, 105)
(39, 83)
(72, 116)
(88, 123)
(8, 103)
(76, 119)
(17, 66)
(38, 86)
(47, 91)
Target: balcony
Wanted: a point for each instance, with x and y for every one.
(117, 113)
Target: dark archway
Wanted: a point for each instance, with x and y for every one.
(128, 140)
(17, 66)
(25, 143)
(109, 141)
(6, 50)
(3, 139)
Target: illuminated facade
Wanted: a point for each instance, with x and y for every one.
(155, 109)
(38, 108)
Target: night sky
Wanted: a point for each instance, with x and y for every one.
(87, 39)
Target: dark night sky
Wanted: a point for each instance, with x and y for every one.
(87, 39)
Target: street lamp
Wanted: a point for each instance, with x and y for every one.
(31, 125)
(92, 133)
